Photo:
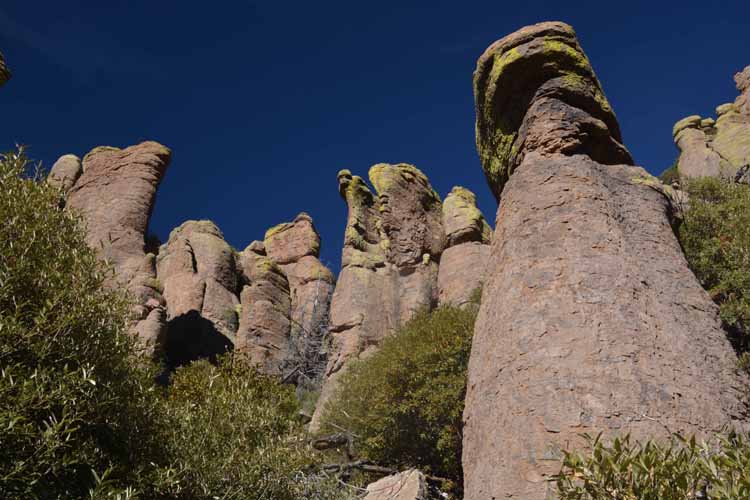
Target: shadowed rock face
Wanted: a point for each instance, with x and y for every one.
(295, 247)
(392, 244)
(114, 190)
(462, 265)
(4, 72)
(197, 269)
(590, 320)
(716, 148)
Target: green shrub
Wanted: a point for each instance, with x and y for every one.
(235, 434)
(670, 175)
(75, 413)
(715, 235)
(682, 469)
(403, 404)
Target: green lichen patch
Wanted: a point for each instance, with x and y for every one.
(693, 121)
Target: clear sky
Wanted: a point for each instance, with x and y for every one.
(263, 102)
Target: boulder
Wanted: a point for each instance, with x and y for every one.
(198, 271)
(407, 485)
(265, 310)
(392, 246)
(462, 264)
(591, 320)
(716, 148)
(65, 172)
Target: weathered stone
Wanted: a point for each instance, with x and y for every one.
(198, 271)
(115, 195)
(407, 485)
(295, 247)
(65, 172)
(562, 110)
(591, 320)
(462, 264)
(717, 148)
(693, 121)
(4, 72)
(392, 244)
(265, 309)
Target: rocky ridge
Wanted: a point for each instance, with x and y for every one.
(591, 320)
(716, 147)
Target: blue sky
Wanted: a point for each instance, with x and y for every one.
(263, 102)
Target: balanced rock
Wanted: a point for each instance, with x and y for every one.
(462, 265)
(265, 310)
(716, 148)
(114, 190)
(198, 271)
(295, 247)
(407, 485)
(392, 244)
(65, 172)
(591, 320)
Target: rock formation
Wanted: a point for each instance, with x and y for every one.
(590, 320)
(407, 485)
(389, 267)
(295, 247)
(4, 72)
(265, 311)
(114, 190)
(717, 148)
(467, 247)
(65, 172)
(198, 271)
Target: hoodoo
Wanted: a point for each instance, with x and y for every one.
(590, 319)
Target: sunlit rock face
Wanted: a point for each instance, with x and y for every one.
(590, 320)
(716, 147)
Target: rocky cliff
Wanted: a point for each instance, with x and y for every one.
(590, 320)
(4, 71)
(719, 147)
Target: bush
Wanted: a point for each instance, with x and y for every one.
(715, 235)
(403, 405)
(670, 175)
(75, 413)
(679, 470)
(235, 434)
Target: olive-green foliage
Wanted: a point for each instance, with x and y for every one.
(670, 175)
(403, 404)
(235, 434)
(715, 234)
(75, 413)
(682, 469)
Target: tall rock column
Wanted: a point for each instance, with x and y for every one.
(716, 148)
(462, 265)
(590, 320)
(295, 247)
(114, 190)
(392, 244)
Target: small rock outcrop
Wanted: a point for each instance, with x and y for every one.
(265, 311)
(716, 148)
(295, 248)
(590, 320)
(462, 265)
(407, 485)
(392, 246)
(114, 190)
(4, 71)
(198, 272)
(65, 172)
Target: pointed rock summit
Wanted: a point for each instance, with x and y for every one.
(716, 148)
(590, 320)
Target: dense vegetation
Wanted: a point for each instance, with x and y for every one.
(715, 234)
(403, 405)
(80, 414)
